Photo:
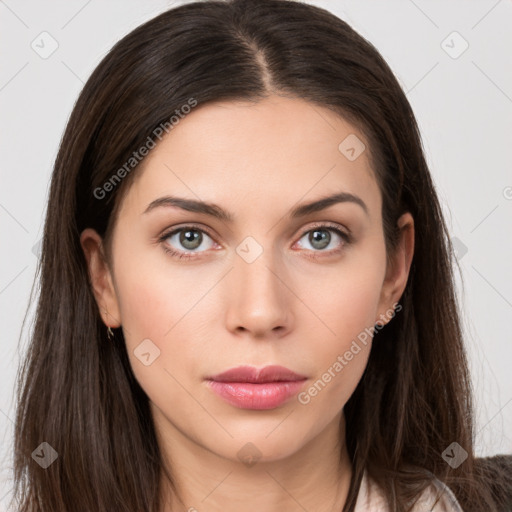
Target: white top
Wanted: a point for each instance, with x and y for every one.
(371, 498)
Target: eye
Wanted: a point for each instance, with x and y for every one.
(325, 238)
(183, 242)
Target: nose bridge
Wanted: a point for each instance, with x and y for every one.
(258, 299)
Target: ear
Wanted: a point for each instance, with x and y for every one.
(100, 277)
(397, 271)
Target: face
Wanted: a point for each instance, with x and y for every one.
(198, 294)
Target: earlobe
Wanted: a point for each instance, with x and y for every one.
(397, 273)
(100, 277)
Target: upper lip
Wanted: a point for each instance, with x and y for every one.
(272, 373)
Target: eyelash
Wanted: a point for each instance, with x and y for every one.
(347, 239)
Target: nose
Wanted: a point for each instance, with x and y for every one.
(258, 300)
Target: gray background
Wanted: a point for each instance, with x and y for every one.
(462, 100)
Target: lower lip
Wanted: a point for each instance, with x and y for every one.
(248, 395)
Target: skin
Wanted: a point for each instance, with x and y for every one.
(217, 311)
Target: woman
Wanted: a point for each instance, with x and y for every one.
(246, 285)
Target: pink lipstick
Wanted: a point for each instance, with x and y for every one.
(247, 387)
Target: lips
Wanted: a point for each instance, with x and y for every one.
(247, 387)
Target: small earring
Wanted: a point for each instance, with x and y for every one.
(110, 334)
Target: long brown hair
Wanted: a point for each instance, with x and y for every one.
(77, 391)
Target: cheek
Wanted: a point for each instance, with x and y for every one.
(162, 314)
(153, 296)
(345, 297)
(153, 318)
(147, 306)
(340, 356)
(347, 303)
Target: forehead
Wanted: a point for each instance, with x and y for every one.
(276, 151)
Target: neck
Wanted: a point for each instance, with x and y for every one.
(315, 477)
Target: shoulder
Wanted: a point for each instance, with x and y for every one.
(436, 498)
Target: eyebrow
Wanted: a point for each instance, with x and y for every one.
(191, 205)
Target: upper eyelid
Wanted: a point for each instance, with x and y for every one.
(327, 225)
(171, 231)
